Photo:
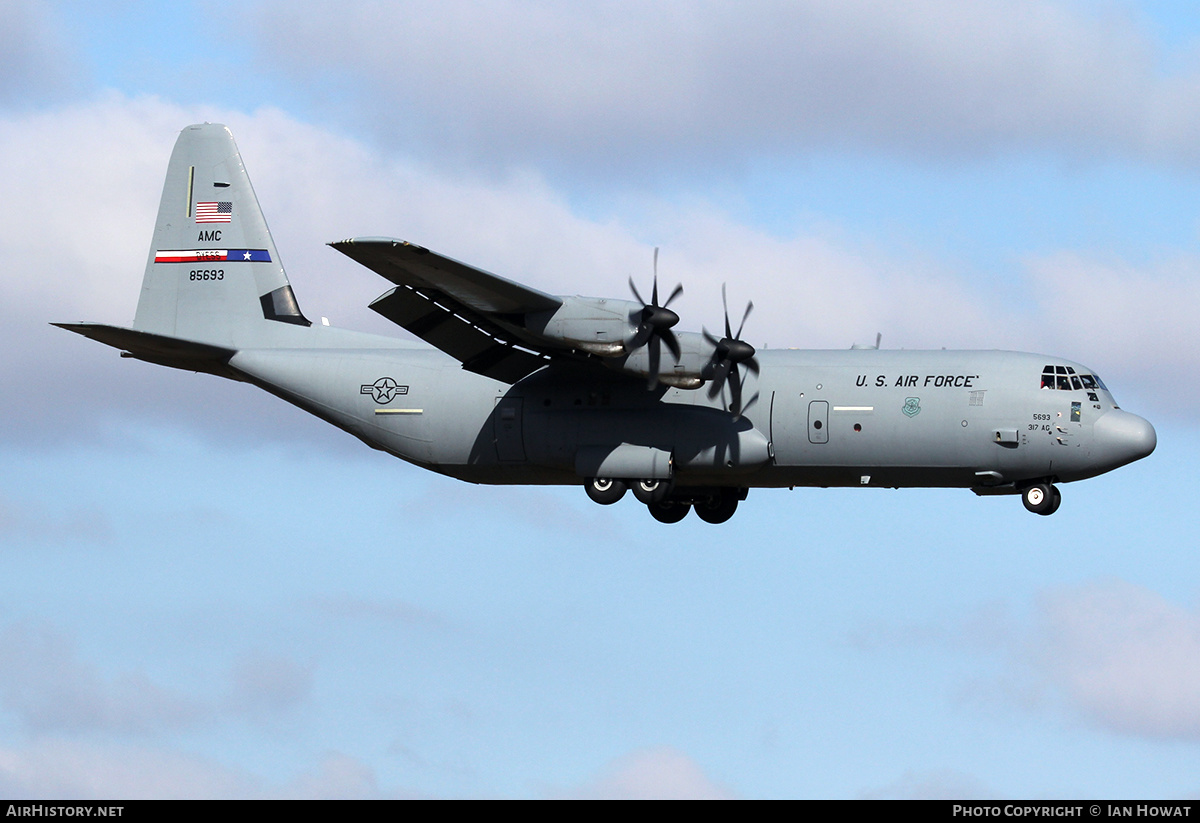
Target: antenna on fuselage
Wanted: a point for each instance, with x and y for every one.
(878, 338)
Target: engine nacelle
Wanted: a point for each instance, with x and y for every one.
(592, 324)
(695, 354)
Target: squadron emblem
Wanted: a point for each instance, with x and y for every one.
(912, 406)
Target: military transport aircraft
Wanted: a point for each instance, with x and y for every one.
(517, 386)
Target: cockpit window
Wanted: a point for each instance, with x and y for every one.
(1064, 378)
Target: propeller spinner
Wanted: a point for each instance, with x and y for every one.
(729, 353)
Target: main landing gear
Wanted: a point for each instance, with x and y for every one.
(605, 490)
(718, 506)
(668, 511)
(666, 503)
(1042, 498)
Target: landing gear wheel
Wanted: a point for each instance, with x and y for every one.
(604, 490)
(1041, 498)
(719, 508)
(1057, 495)
(667, 511)
(650, 491)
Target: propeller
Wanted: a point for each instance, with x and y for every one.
(729, 353)
(654, 322)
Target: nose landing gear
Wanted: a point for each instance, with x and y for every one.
(1042, 498)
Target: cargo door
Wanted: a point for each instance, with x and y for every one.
(510, 440)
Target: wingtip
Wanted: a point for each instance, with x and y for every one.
(377, 241)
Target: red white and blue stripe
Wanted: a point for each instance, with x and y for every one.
(213, 256)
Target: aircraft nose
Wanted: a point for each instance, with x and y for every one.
(1121, 437)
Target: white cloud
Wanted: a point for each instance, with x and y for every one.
(658, 773)
(60, 521)
(75, 247)
(1136, 317)
(619, 84)
(1117, 655)
(337, 777)
(49, 688)
(52, 767)
(266, 683)
(1123, 656)
(944, 784)
(59, 768)
(387, 612)
(35, 63)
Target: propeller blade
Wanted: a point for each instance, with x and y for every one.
(735, 394)
(728, 354)
(720, 374)
(725, 303)
(678, 291)
(653, 325)
(644, 333)
(668, 337)
(633, 288)
(749, 308)
(655, 354)
(749, 403)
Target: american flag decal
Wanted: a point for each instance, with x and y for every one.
(216, 212)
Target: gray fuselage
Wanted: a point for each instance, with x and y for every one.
(977, 419)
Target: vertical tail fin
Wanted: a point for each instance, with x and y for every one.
(213, 274)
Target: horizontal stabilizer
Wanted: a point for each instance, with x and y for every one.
(159, 349)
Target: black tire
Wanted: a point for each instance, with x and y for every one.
(719, 508)
(1057, 495)
(650, 491)
(667, 511)
(604, 490)
(1039, 498)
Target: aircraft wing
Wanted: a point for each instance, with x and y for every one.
(472, 315)
(406, 264)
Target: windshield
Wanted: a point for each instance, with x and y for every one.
(1064, 378)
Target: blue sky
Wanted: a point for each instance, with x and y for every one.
(209, 594)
